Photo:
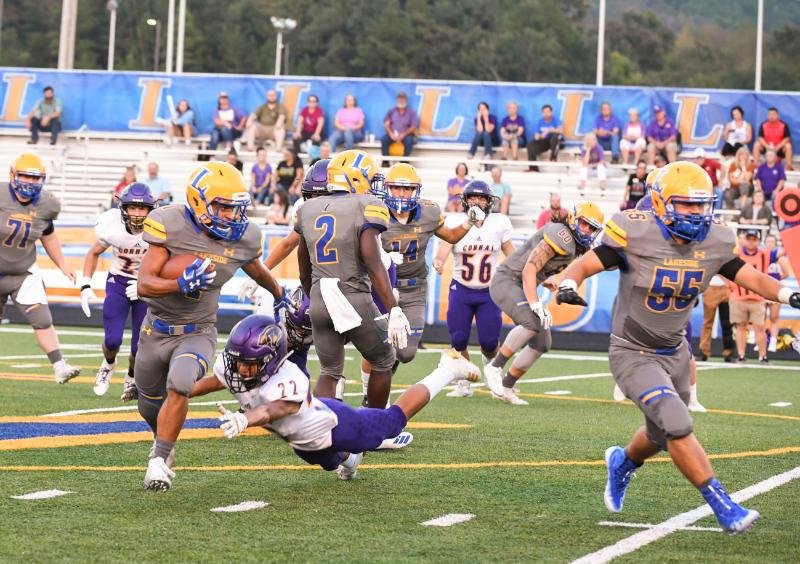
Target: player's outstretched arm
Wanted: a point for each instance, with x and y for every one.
(90, 263)
(151, 285)
(454, 234)
(441, 256)
(256, 270)
(282, 250)
(52, 246)
(760, 283)
(206, 385)
(582, 268)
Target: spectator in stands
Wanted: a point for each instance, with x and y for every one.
(229, 123)
(310, 124)
(181, 124)
(260, 177)
(755, 213)
(554, 213)
(661, 160)
(289, 174)
(748, 307)
(737, 133)
(158, 186)
(633, 137)
(512, 132)
(662, 136)
(713, 168)
(635, 188)
(128, 177)
(770, 176)
(278, 212)
(606, 129)
(501, 191)
(594, 164)
(267, 122)
(399, 126)
(740, 180)
(348, 125)
(716, 297)
(45, 116)
(774, 134)
(324, 153)
(233, 159)
(455, 186)
(485, 132)
(547, 135)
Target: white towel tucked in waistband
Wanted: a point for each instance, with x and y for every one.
(342, 312)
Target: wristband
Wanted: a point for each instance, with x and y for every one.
(87, 287)
(784, 294)
(568, 284)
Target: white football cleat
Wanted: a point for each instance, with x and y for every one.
(696, 406)
(64, 372)
(349, 472)
(509, 396)
(103, 379)
(494, 379)
(129, 390)
(400, 441)
(462, 390)
(170, 461)
(158, 477)
(619, 395)
(461, 368)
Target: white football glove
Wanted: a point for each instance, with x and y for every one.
(399, 328)
(396, 257)
(132, 291)
(87, 295)
(543, 314)
(475, 215)
(247, 288)
(233, 422)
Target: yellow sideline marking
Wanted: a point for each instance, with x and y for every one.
(395, 466)
(22, 376)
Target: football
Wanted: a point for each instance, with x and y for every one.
(176, 264)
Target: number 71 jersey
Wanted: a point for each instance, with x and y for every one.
(128, 249)
(661, 281)
(476, 255)
(21, 226)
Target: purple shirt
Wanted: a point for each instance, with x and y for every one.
(769, 177)
(596, 155)
(401, 122)
(513, 125)
(609, 125)
(661, 132)
(261, 174)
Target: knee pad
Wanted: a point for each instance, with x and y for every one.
(112, 343)
(460, 340)
(541, 342)
(407, 354)
(38, 315)
(184, 370)
(526, 358)
(673, 417)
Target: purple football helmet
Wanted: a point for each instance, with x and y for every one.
(256, 339)
(298, 321)
(316, 181)
(478, 188)
(135, 194)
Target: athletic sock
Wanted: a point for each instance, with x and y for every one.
(436, 381)
(55, 356)
(693, 393)
(364, 381)
(509, 381)
(351, 461)
(499, 360)
(163, 448)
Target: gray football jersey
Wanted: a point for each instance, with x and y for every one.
(174, 228)
(559, 237)
(331, 227)
(660, 284)
(21, 226)
(412, 238)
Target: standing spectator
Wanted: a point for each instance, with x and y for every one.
(128, 177)
(399, 126)
(716, 298)
(737, 133)
(233, 159)
(485, 132)
(229, 123)
(740, 180)
(260, 177)
(45, 116)
(755, 213)
(158, 186)
(501, 192)
(779, 268)
(455, 187)
(554, 213)
(594, 163)
(267, 123)
(636, 187)
(278, 211)
(770, 176)
(662, 136)
(324, 153)
(547, 135)
(633, 137)
(289, 174)
(712, 168)
(607, 128)
(746, 306)
(512, 132)
(181, 124)
(348, 124)
(774, 134)
(310, 124)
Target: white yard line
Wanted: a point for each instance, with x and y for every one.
(244, 506)
(449, 520)
(650, 526)
(567, 377)
(45, 494)
(678, 522)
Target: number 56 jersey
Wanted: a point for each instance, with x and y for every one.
(661, 280)
(476, 255)
(128, 249)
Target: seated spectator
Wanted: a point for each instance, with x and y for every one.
(662, 137)
(661, 161)
(756, 213)
(279, 210)
(635, 188)
(485, 132)
(594, 163)
(260, 177)
(770, 176)
(158, 186)
(774, 134)
(740, 180)
(289, 174)
(455, 187)
(229, 123)
(181, 124)
(400, 126)
(712, 168)
(348, 125)
(548, 135)
(633, 137)
(324, 153)
(554, 213)
(501, 191)
(512, 132)
(606, 129)
(267, 123)
(45, 116)
(233, 159)
(737, 133)
(310, 124)
(128, 177)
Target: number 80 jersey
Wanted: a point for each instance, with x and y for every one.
(476, 255)
(128, 249)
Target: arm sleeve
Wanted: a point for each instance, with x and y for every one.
(731, 268)
(611, 257)
(49, 229)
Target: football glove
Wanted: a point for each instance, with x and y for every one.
(475, 215)
(794, 300)
(399, 328)
(396, 257)
(543, 314)
(280, 304)
(247, 289)
(233, 423)
(132, 290)
(195, 277)
(87, 295)
(568, 294)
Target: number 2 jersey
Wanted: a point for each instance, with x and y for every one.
(660, 280)
(476, 255)
(21, 226)
(128, 248)
(559, 237)
(411, 239)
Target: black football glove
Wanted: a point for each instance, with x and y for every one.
(568, 294)
(794, 300)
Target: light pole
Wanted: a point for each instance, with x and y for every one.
(157, 46)
(112, 6)
(281, 24)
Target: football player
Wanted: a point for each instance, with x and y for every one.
(475, 259)
(178, 337)
(297, 321)
(27, 213)
(666, 259)
(514, 289)
(275, 394)
(120, 228)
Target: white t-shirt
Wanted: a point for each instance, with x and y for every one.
(476, 255)
(128, 249)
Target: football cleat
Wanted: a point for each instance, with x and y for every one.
(129, 390)
(461, 368)
(170, 457)
(462, 390)
(696, 407)
(347, 472)
(619, 395)
(494, 378)
(731, 516)
(773, 344)
(158, 477)
(400, 441)
(103, 378)
(64, 372)
(620, 470)
(510, 397)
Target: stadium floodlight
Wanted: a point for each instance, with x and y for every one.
(157, 43)
(281, 25)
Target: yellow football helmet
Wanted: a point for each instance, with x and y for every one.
(352, 171)
(684, 182)
(402, 175)
(585, 221)
(30, 166)
(218, 198)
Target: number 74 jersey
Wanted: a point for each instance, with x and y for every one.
(662, 280)
(128, 249)
(476, 255)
